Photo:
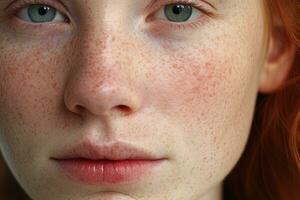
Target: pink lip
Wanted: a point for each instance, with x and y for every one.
(106, 171)
(106, 163)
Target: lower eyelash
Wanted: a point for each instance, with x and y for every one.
(182, 26)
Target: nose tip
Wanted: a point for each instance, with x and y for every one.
(102, 101)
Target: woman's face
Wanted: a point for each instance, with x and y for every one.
(96, 75)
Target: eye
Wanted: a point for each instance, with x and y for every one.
(179, 12)
(40, 13)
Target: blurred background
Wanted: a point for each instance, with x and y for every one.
(9, 188)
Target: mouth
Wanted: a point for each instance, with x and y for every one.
(106, 164)
(103, 172)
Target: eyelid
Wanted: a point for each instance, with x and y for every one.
(200, 5)
(196, 13)
(156, 24)
(19, 4)
(156, 4)
(23, 12)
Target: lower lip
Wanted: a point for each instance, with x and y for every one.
(106, 171)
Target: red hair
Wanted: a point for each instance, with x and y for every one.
(269, 168)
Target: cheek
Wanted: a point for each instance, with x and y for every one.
(202, 81)
(30, 82)
(192, 79)
(209, 96)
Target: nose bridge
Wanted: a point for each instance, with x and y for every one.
(99, 81)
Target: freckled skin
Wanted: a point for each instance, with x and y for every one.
(190, 99)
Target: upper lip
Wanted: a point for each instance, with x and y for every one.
(111, 151)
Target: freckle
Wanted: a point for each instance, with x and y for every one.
(175, 66)
(215, 139)
(65, 125)
(113, 38)
(20, 115)
(12, 71)
(208, 65)
(54, 85)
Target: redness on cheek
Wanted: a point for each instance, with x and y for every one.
(199, 78)
(197, 71)
(29, 84)
(12, 71)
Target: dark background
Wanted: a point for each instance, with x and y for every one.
(9, 188)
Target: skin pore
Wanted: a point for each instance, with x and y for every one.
(183, 92)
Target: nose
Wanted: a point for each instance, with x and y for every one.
(103, 100)
(99, 82)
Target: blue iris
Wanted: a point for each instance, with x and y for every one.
(178, 12)
(41, 13)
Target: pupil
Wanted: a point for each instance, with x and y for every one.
(43, 10)
(177, 9)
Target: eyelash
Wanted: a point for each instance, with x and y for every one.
(185, 25)
(16, 5)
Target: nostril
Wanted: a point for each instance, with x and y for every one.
(124, 108)
(79, 109)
